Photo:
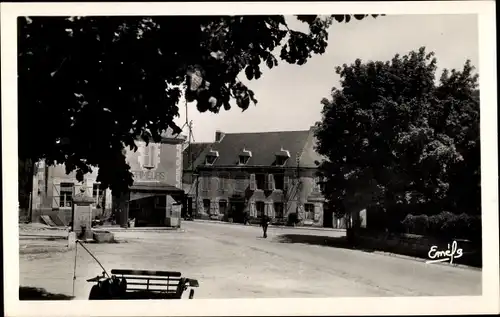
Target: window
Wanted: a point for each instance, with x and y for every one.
(97, 194)
(210, 159)
(149, 156)
(281, 160)
(279, 181)
(240, 183)
(66, 195)
(278, 210)
(309, 211)
(223, 182)
(259, 206)
(260, 181)
(206, 205)
(244, 159)
(205, 182)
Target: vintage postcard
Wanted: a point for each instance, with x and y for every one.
(250, 158)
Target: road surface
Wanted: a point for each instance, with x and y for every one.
(233, 261)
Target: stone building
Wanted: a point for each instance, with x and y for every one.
(157, 187)
(271, 173)
(157, 171)
(53, 191)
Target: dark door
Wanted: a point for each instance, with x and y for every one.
(236, 211)
(327, 216)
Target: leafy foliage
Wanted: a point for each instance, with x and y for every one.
(91, 86)
(390, 123)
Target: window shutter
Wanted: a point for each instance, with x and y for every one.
(216, 208)
(253, 184)
(56, 196)
(271, 211)
(146, 159)
(227, 184)
(316, 213)
(270, 181)
(152, 154)
(253, 211)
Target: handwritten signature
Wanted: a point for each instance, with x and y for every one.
(453, 252)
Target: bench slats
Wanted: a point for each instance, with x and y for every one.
(152, 290)
(150, 273)
(154, 284)
(150, 278)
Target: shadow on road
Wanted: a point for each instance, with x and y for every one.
(470, 258)
(335, 242)
(35, 293)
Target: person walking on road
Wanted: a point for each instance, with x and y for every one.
(264, 224)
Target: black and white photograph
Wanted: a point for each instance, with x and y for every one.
(338, 155)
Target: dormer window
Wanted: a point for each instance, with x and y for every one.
(244, 160)
(281, 160)
(282, 157)
(211, 157)
(244, 156)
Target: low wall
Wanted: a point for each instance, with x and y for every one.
(419, 246)
(61, 217)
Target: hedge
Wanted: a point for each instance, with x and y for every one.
(445, 225)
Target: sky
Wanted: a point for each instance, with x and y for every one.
(289, 95)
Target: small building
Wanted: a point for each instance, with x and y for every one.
(273, 173)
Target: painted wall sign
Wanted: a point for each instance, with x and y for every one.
(148, 175)
(156, 163)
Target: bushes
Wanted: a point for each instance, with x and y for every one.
(445, 225)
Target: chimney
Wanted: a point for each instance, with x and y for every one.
(219, 135)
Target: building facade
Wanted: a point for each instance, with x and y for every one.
(157, 172)
(157, 188)
(272, 173)
(53, 192)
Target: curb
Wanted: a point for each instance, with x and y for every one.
(156, 230)
(271, 226)
(41, 236)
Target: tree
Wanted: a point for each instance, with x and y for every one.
(91, 86)
(416, 140)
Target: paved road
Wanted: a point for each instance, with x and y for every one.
(233, 261)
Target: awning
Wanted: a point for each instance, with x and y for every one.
(155, 187)
(139, 195)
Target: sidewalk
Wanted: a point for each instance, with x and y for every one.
(135, 229)
(271, 226)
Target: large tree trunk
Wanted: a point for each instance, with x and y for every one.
(25, 181)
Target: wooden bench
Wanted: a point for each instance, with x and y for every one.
(140, 284)
(158, 283)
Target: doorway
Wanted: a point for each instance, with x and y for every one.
(236, 211)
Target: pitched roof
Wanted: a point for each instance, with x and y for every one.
(195, 149)
(263, 146)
